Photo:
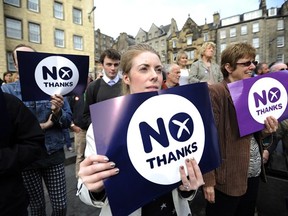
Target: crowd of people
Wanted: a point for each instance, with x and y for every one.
(230, 190)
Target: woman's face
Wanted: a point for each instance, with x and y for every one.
(209, 52)
(183, 60)
(244, 69)
(8, 78)
(145, 74)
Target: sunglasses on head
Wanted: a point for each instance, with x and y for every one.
(248, 63)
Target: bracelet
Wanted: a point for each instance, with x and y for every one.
(72, 125)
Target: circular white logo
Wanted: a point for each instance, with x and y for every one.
(265, 96)
(160, 139)
(56, 75)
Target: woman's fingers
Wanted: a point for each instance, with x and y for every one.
(194, 179)
(209, 194)
(94, 169)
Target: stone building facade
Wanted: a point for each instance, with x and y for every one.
(158, 38)
(265, 28)
(102, 42)
(68, 27)
(62, 27)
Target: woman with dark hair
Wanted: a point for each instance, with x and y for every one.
(232, 188)
(7, 77)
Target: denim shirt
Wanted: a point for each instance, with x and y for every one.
(54, 139)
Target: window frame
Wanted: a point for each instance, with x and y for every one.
(222, 47)
(57, 13)
(233, 32)
(189, 40)
(206, 36)
(280, 24)
(223, 34)
(280, 57)
(10, 62)
(37, 34)
(35, 2)
(56, 39)
(11, 2)
(75, 42)
(174, 43)
(256, 42)
(255, 27)
(190, 54)
(77, 18)
(13, 29)
(280, 41)
(244, 30)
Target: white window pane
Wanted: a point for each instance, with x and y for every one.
(243, 30)
(233, 32)
(222, 47)
(174, 43)
(206, 37)
(34, 32)
(189, 40)
(13, 2)
(280, 41)
(59, 38)
(222, 34)
(190, 54)
(13, 28)
(78, 42)
(33, 5)
(58, 10)
(10, 62)
(77, 16)
(280, 57)
(255, 27)
(280, 24)
(256, 42)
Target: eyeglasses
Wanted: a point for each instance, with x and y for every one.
(248, 63)
(283, 69)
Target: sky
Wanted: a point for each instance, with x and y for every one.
(116, 16)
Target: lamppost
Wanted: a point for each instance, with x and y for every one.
(89, 14)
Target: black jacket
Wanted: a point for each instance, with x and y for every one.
(77, 107)
(98, 91)
(21, 143)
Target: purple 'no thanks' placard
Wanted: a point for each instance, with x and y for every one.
(259, 97)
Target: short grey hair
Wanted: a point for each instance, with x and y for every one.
(167, 68)
(274, 67)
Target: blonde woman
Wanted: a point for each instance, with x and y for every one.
(142, 72)
(181, 60)
(206, 69)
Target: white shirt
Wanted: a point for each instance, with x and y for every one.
(106, 79)
(183, 77)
